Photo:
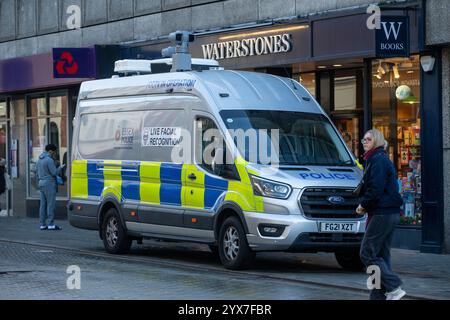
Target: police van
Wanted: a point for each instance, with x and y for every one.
(139, 170)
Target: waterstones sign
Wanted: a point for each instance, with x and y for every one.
(258, 46)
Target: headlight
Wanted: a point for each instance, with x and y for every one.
(268, 188)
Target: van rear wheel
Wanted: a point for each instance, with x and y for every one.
(234, 251)
(114, 236)
(349, 260)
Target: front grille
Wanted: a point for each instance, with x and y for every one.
(315, 204)
(335, 237)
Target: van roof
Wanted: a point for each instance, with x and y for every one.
(229, 89)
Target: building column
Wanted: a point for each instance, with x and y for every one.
(432, 157)
(446, 142)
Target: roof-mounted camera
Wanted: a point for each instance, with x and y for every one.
(181, 58)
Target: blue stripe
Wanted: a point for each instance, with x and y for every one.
(211, 196)
(211, 182)
(213, 189)
(95, 180)
(131, 183)
(170, 194)
(170, 173)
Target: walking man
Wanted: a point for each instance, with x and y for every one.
(46, 173)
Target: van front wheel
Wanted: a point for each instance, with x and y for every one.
(114, 236)
(234, 251)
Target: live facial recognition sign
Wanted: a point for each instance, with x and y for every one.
(392, 38)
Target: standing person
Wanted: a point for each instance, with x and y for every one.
(380, 198)
(46, 173)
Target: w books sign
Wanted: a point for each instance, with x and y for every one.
(392, 38)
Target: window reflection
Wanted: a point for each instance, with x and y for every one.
(47, 124)
(308, 80)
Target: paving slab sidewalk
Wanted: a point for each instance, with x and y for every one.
(425, 275)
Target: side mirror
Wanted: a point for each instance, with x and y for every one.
(217, 164)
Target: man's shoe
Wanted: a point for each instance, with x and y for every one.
(43, 228)
(54, 227)
(396, 294)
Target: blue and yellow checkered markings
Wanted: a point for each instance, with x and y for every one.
(131, 181)
(214, 188)
(171, 184)
(149, 186)
(158, 183)
(95, 180)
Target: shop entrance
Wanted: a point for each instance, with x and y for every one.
(5, 196)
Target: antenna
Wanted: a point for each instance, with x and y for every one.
(181, 58)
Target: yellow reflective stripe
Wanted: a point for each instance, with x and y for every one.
(359, 164)
(79, 179)
(112, 176)
(193, 192)
(259, 204)
(150, 182)
(241, 192)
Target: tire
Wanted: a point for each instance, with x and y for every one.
(114, 236)
(349, 260)
(234, 252)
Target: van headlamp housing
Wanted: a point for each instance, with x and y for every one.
(269, 188)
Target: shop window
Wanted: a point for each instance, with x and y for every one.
(347, 107)
(47, 123)
(308, 80)
(345, 93)
(3, 109)
(4, 198)
(395, 111)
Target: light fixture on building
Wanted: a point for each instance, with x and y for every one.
(337, 65)
(321, 67)
(395, 69)
(380, 69)
(411, 100)
(264, 32)
(427, 63)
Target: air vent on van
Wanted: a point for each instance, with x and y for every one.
(339, 170)
(294, 168)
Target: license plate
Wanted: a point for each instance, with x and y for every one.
(338, 227)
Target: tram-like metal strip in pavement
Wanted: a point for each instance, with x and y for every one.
(188, 266)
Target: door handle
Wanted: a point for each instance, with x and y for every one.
(192, 177)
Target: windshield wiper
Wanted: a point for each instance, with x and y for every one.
(343, 163)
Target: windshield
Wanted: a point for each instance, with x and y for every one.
(303, 138)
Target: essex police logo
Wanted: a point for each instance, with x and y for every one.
(124, 136)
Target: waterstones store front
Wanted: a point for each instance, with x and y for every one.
(363, 78)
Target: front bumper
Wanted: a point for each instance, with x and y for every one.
(300, 234)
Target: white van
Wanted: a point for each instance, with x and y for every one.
(126, 184)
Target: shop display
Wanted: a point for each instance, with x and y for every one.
(409, 170)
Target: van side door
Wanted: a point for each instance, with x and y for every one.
(205, 189)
